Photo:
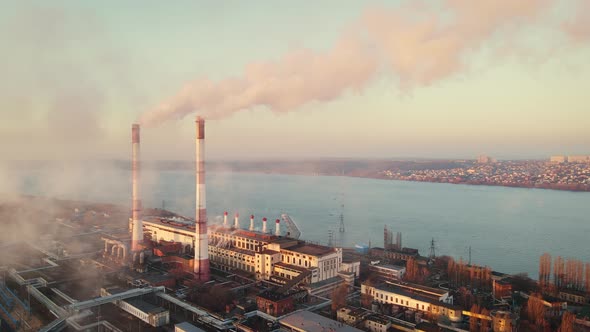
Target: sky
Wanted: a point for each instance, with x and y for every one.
(292, 79)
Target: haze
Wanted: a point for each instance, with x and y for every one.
(379, 79)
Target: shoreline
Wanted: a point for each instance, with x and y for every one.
(555, 187)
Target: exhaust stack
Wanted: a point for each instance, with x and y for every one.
(201, 262)
(137, 229)
(277, 227)
(237, 221)
(225, 219)
(251, 222)
(263, 225)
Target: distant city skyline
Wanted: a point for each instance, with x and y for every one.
(448, 85)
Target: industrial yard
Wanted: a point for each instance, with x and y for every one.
(81, 266)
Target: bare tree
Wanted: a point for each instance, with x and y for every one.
(473, 321)
(484, 323)
(535, 310)
(567, 322)
(339, 297)
(412, 270)
(545, 270)
(559, 272)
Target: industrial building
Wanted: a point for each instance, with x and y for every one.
(187, 327)
(388, 272)
(270, 257)
(265, 255)
(436, 302)
(151, 314)
(306, 321)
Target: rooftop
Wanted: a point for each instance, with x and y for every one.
(254, 235)
(354, 311)
(390, 267)
(154, 278)
(292, 267)
(186, 226)
(381, 319)
(420, 288)
(413, 295)
(325, 282)
(188, 327)
(311, 249)
(427, 327)
(144, 306)
(269, 252)
(311, 322)
(273, 296)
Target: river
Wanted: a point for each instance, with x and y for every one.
(506, 228)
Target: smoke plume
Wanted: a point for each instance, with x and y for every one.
(578, 28)
(417, 43)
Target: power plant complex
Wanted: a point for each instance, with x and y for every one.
(276, 258)
(163, 271)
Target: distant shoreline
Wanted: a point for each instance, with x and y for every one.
(555, 187)
(531, 174)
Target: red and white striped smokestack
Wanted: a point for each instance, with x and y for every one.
(237, 221)
(201, 266)
(252, 222)
(137, 229)
(263, 225)
(277, 227)
(225, 219)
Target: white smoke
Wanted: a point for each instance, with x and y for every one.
(418, 43)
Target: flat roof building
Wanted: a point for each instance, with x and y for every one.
(187, 327)
(438, 302)
(307, 321)
(268, 257)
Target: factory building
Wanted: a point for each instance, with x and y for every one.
(388, 272)
(272, 257)
(275, 304)
(269, 257)
(151, 314)
(436, 302)
(171, 230)
(307, 321)
(187, 327)
(377, 323)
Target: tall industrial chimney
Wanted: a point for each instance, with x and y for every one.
(225, 219)
(137, 230)
(263, 225)
(278, 227)
(237, 221)
(251, 222)
(201, 266)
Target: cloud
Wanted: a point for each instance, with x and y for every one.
(418, 43)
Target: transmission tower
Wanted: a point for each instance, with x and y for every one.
(330, 238)
(432, 254)
(341, 229)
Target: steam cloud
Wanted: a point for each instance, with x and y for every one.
(417, 43)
